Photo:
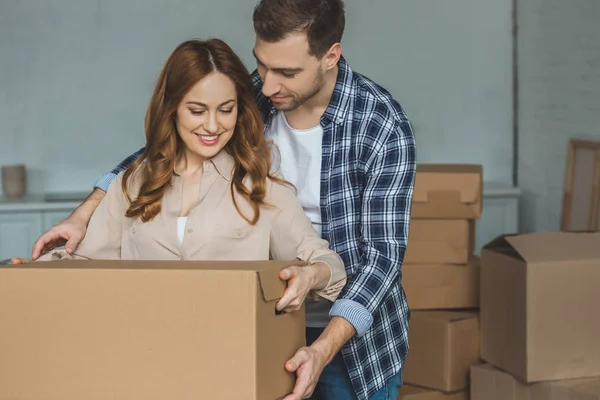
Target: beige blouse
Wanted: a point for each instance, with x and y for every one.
(214, 228)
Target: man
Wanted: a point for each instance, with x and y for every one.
(348, 147)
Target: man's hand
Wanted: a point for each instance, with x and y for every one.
(308, 364)
(300, 281)
(19, 260)
(70, 231)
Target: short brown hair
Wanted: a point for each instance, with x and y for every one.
(323, 21)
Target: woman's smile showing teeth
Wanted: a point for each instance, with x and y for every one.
(208, 140)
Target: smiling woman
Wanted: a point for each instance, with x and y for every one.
(202, 188)
(203, 102)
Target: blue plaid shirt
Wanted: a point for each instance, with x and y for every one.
(367, 181)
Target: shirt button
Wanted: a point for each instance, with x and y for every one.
(207, 166)
(238, 233)
(190, 230)
(132, 230)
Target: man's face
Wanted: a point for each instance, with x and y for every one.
(290, 75)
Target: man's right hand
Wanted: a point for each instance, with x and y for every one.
(68, 232)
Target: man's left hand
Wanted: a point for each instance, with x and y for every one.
(308, 363)
(19, 260)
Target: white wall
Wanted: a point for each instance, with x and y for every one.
(76, 75)
(559, 73)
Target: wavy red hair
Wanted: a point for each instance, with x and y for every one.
(189, 63)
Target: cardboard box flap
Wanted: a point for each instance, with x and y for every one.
(271, 286)
(556, 246)
(204, 265)
(457, 183)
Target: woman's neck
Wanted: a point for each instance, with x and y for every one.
(188, 163)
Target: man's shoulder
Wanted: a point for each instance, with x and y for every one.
(371, 97)
(256, 81)
(263, 102)
(376, 115)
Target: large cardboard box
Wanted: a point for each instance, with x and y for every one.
(441, 286)
(539, 305)
(408, 392)
(443, 346)
(451, 191)
(489, 383)
(442, 241)
(145, 330)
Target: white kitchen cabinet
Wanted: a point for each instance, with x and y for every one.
(22, 221)
(51, 218)
(18, 232)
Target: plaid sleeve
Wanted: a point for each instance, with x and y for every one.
(385, 220)
(105, 179)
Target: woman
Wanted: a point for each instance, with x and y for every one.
(202, 190)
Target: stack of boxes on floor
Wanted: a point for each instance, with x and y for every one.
(540, 318)
(440, 276)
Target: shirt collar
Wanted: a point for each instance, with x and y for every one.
(223, 163)
(343, 91)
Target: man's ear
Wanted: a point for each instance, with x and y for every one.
(332, 56)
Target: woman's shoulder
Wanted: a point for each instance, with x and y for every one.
(279, 190)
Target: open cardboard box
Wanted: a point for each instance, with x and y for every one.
(143, 330)
(539, 305)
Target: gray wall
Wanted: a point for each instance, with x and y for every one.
(559, 55)
(76, 75)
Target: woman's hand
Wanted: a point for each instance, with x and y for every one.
(300, 281)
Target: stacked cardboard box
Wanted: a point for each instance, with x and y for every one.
(440, 276)
(540, 323)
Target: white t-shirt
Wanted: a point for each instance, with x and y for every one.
(299, 161)
(181, 221)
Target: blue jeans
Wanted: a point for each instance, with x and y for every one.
(334, 383)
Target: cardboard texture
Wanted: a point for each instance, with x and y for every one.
(144, 330)
(407, 392)
(442, 241)
(489, 383)
(452, 191)
(539, 305)
(441, 286)
(443, 346)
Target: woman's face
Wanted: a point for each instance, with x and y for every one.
(207, 115)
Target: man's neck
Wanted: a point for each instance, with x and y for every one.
(309, 114)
